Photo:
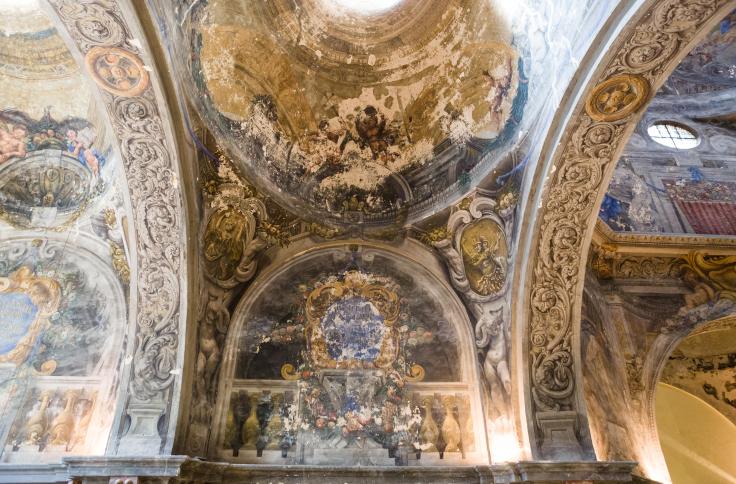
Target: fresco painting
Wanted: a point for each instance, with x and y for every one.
(56, 344)
(709, 66)
(358, 362)
(50, 171)
(380, 129)
(20, 134)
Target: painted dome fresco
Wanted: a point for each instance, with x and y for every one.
(358, 115)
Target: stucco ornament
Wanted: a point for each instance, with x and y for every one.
(231, 242)
(718, 273)
(117, 71)
(148, 155)
(476, 253)
(644, 55)
(617, 97)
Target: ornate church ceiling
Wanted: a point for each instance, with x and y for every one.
(367, 117)
(690, 190)
(56, 156)
(64, 272)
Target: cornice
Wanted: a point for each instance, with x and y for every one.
(665, 245)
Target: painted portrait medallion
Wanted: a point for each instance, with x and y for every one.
(484, 251)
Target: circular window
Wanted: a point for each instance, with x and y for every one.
(365, 6)
(673, 135)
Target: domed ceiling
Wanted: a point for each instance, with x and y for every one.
(358, 115)
(55, 154)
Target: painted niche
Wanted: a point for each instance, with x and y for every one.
(49, 170)
(63, 318)
(355, 362)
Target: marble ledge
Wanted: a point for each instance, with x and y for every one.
(185, 470)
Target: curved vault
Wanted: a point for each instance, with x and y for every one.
(64, 250)
(265, 129)
(91, 259)
(578, 173)
(359, 362)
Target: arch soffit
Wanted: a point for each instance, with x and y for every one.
(107, 34)
(638, 63)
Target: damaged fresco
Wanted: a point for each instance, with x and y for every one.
(356, 362)
(50, 171)
(357, 130)
(62, 336)
(662, 189)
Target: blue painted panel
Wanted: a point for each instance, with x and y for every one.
(17, 313)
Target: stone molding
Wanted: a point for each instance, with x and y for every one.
(105, 33)
(665, 244)
(181, 469)
(639, 62)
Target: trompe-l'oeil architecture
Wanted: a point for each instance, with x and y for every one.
(347, 241)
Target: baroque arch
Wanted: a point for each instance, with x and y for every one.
(362, 365)
(65, 338)
(107, 39)
(575, 176)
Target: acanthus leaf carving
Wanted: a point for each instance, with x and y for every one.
(148, 157)
(585, 160)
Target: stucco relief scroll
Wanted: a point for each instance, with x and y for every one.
(231, 243)
(102, 34)
(582, 167)
(476, 252)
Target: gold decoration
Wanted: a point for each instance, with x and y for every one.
(484, 252)
(450, 427)
(63, 424)
(38, 421)
(120, 262)
(428, 432)
(354, 284)
(117, 71)
(717, 272)
(288, 372)
(251, 427)
(110, 218)
(617, 97)
(45, 294)
(47, 368)
(464, 203)
(273, 430)
(323, 230)
(416, 373)
(575, 182)
(435, 235)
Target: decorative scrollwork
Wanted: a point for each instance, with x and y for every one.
(101, 33)
(582, 165)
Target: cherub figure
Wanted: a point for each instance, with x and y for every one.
(79, 143)
(13, 142)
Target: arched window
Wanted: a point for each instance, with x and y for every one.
(673, 135)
